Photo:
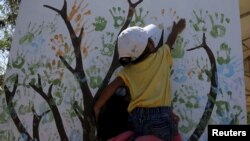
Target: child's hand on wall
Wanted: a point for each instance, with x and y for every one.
(178, 28)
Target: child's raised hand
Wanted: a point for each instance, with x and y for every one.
(179, 26)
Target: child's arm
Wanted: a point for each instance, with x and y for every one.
(176, 29)
(106, 94)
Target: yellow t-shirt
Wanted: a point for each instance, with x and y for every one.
(149, 80)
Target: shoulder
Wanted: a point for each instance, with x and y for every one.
(164, 47)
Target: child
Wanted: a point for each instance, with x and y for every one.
(146, 73)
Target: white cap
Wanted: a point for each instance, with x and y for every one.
(133, 40)
(154, 33)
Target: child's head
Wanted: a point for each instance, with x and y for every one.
(133, 42)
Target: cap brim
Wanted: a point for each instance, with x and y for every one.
(154, 32)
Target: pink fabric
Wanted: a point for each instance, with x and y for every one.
(177, 137)
(126, 135)
(123, 136)
(148, 138)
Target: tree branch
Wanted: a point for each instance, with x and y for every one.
(78, 111)
(115, 63)
(134, 4)
(52, 8)
(39, 89)
(52, 104)
(211, 95)
(80, 35)
(78, 72)
(9, 97)
(67, 65)
(36, 121)
(76, 41)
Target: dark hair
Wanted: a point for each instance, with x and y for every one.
(125, 61)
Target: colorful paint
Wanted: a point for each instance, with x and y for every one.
(64, 53)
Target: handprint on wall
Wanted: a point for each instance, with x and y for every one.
(218, 22)
(198, 21)
(118, 15)
(139, 19)
(100, 23)
(179, 47)
(108, 44)
(33, 32)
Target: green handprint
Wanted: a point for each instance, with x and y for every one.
(222, 108)
(95, 79)
(31, 34)
(138, 18)
(188, 97)
(193, 102)
(23, 109)
(198, 23)
(203, 70)
(189, 122)
(218, 29)
(100, 23)
(237, 111)
(179, 45)
(58, 97)
(118, 15)
(4, 113)
(108, 48)
(19, 62)
(220, 59)
(3, 135)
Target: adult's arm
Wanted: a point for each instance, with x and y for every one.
(106, 94)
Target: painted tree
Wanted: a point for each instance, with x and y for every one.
(84, 113)
(85, 116)
(211, 95)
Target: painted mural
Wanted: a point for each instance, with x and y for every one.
(64, 54)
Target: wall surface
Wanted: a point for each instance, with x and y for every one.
(64, 53)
